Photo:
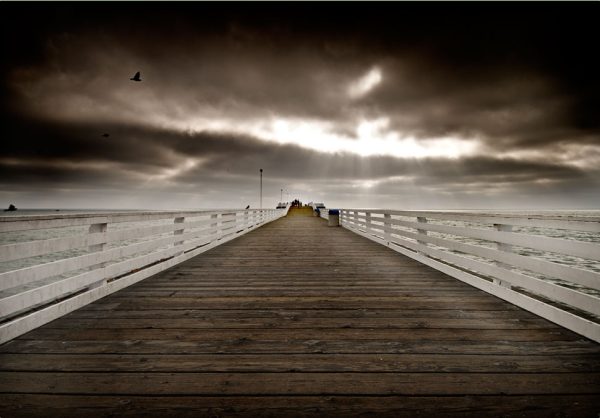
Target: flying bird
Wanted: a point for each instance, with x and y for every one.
(136, 77)
(248, 207)
(105, 135)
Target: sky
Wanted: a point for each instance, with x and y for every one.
(365, 105)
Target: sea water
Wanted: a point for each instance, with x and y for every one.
(50, 233)
(585, 264)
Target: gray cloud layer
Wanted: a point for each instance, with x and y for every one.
(523, 89)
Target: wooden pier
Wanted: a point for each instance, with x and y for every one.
(300, 319)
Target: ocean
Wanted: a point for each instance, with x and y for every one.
(585, 264)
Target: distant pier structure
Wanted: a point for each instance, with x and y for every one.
(272, 312)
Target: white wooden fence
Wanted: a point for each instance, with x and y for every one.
(514, 257)
(109, 252)
(323, 211)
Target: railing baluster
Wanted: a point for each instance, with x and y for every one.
(368, 224)
(178, 220)
(500, 246)
(387, 235)
(94, 229)
(214, 227)
(421, 220)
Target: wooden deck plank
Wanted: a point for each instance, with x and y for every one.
(299, 334)
(301, 363)
(300, 322)
(298, 319)
(295, 313)
(179, 302)
(293, 346)
(327, 384)
(389, 406)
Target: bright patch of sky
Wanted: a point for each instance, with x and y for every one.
(372, 137)
(365, 84)
(169, 173)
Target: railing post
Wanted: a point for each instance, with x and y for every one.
(94, 229)
(422, 220)
(214, 225)
(500, 246)
(355, 219)
(239, 226)
(234, 226)
(367, 222)
(178, 220)
(387, 235)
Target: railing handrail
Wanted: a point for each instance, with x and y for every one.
(568, 247)
(569, 222)
(30, 222)
(517, 278)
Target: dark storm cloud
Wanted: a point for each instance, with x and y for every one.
(286, 58)
(53, 141)
(228, 167)
(142, 150)
(507, 110)
(446, 70)
(518, 80)
(14, 175)
(190, 62)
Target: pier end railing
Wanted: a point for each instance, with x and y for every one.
(54, 264)
(548, 265)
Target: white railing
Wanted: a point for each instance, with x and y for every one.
(323, 212)
(68, 261)
(547, 265)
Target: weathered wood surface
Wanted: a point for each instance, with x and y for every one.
(494, 267)
(299, 319)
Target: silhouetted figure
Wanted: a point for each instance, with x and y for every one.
(11, 208)
(136, 77)
(248, 207)
(105, 135)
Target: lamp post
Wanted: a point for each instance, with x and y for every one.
(261, 170)
(281, 196)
